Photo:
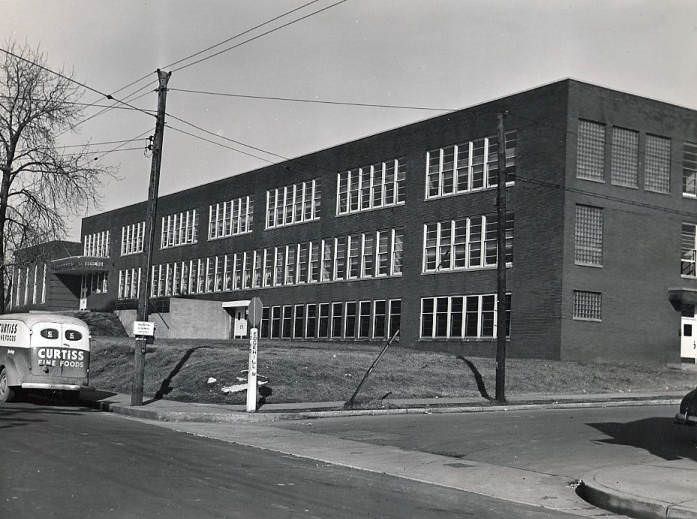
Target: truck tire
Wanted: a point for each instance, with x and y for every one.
(6, 392)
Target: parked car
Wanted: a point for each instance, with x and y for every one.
(688, 409)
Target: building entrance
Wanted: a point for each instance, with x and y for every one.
(688, 333)
(237, 310)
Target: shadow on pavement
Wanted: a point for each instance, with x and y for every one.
(658, 436)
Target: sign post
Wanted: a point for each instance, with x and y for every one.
(254, 317)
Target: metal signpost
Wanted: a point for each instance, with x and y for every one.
(254, 318)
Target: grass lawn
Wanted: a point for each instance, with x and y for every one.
(304, 372)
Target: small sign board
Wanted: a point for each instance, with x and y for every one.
(254, 312)
(143, 328)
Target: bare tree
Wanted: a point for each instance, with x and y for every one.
(41, 183)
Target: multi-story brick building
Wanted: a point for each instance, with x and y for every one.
(398, 230)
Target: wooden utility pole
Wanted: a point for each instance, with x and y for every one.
(501, 267)
(151, 211)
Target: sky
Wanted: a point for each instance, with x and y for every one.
(443, 54)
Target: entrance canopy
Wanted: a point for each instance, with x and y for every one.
(236, 304)
(79, 265)
(680, 297)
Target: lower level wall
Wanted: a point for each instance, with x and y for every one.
(186, 319)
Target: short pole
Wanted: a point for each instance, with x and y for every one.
(252, 372)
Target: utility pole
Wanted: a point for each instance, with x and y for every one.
(151, 211)
(501, 266)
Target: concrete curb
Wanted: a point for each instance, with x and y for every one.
(642, 507)
(207, 416)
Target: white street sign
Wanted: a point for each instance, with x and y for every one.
(143, 328)
(252, 373)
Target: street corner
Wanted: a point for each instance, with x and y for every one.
(656, 490)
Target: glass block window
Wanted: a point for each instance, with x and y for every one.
(590, 161)
(371, 187)
(230, 218)
(588, 305)
(687, 250)
(624, 165)
(468, 166)
(689, 169)
(588, 235)
(657, 164)
(292, 204)
(132, 238)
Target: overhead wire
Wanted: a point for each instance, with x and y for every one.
(227, 49)
(318, 101)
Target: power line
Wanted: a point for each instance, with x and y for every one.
(67, 78)
(217, 143)
(209, 132)
(118, 148)
(145, 76)
(75, 103)
(259, 35)
(319, 101)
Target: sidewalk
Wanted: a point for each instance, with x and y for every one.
(662, 490)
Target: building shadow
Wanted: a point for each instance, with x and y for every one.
(659, 436)
(165, 387)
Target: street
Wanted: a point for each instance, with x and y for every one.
(67, 462)
(567, 442)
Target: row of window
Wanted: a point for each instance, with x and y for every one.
(370, 187)
(25, 288)
(230, 218)
(293, 204)
(179, 229)
(97, 244)
(94, 283)
(465, 243)
(624, 157)
(469, 166)
(462, 317)
(132, 238)
(129, 283)
(377, 319)
(363, 255)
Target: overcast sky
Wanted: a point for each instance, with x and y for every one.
(428, 53)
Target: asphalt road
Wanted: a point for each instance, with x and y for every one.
(561, 442)
(63, 462)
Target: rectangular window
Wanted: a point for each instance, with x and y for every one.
(354, 258)
(292, 204)
(587, 305)
(311, 322)
(350, 320)
(657, 164)
(368, 263)
(323, 331)
(315, 259)
(179, 229)
(291, 263)
(383, 252)
(364, 320)
(687, 250)
(43, 286)
(624, 164)
(370, 187)
(395, 316)
(287, 329)
(588, 235)
(337, 318)
(590, 160)
(397, 251)
(132, 238)
(689, 169)
(96, 244)
(461, 317)
(276, 322)
(468, 166)
(303, 262)
(265, 331)
(299, 322)
(230, 218)
(327, 260)
(379, 318)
